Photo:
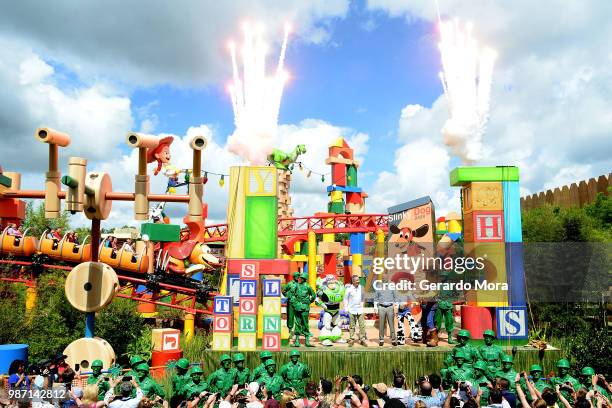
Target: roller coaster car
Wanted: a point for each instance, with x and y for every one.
(64, 250)
(124, 259)
(181, 254)
(24, 246)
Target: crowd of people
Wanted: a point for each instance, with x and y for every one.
(471, 378)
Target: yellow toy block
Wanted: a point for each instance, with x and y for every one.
(271, 306)
(247, 341)
(222, 341)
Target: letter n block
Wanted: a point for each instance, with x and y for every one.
(271, 341)
(271, 324)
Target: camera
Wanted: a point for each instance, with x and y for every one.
(127, 378)
(462, 386)
(348, 395)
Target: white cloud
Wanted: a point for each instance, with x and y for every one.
(30, 96)
(146, 42)
(550, 110)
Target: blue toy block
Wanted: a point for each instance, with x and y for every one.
(512, 211)
(515, 271)
(511, 322)
(248, 288)
(272, 287)
(222, 305)
(357, 241)
(344, 189)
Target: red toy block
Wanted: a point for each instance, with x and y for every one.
(12, 208)
(222, 323)
(248, 305)
(339, 174)
(262, 266)
(484, 226)
(344, 152)
(271, 341)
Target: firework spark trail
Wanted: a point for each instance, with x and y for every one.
(256, 97)
(466, 77)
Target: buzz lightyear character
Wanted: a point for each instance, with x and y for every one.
(330, 294)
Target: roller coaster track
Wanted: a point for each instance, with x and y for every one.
(327, 224)
(152, 288)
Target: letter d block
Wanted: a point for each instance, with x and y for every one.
(223, 324)
(271, 324)
(271, 341)
(247, 341)
(247, 324)
(222, 341)
(271, 306)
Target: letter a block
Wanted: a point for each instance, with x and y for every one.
(271, 341)
(271, 324)
(248, 305)
(271, 306)
(223, 324)
(247, 324)
(222, 341)
(247, 341)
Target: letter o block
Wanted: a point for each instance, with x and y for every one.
(222, 324)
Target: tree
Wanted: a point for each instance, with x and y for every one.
(36, 222)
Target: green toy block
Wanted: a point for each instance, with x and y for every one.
(271, 324)
(460, 176)
(247, 323)
(5, 181)
(161, 232)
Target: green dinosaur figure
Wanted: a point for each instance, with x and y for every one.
(284, 161)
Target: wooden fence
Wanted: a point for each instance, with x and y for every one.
(574, 195)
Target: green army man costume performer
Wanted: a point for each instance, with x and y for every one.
(287, 292)
(586, 380)
(261, 368)
(535, 371)
(134, 362)
(149, 387)
(271, 379)
(97, 378)
(240, 372)
(460, 370)
(563, 377)
(444, 314)
(222, 379)
(479, 379)
(470, 353)
(507, 371)
(195, 386)
(295, 373)
(179, 379)
(490, 353)
(303, 296)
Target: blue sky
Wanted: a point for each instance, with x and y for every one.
(367, 70)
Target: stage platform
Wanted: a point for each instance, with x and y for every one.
(374, 363)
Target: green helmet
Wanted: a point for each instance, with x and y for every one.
(238, 357)
(97, 363)
(142, 367)
(270, 362)
(507, 359)
(225, 357)
(489, 333)
(296, 275)
(535, 367)
(464, 333)
(265, 354)
(460, 354)
(480, 365)
(196, 370)
(305, 276)
(183, 363)
(294, 353)
(135, 360)
(587, 371)
(563, 363)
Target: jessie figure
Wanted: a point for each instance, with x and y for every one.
(161, 155)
